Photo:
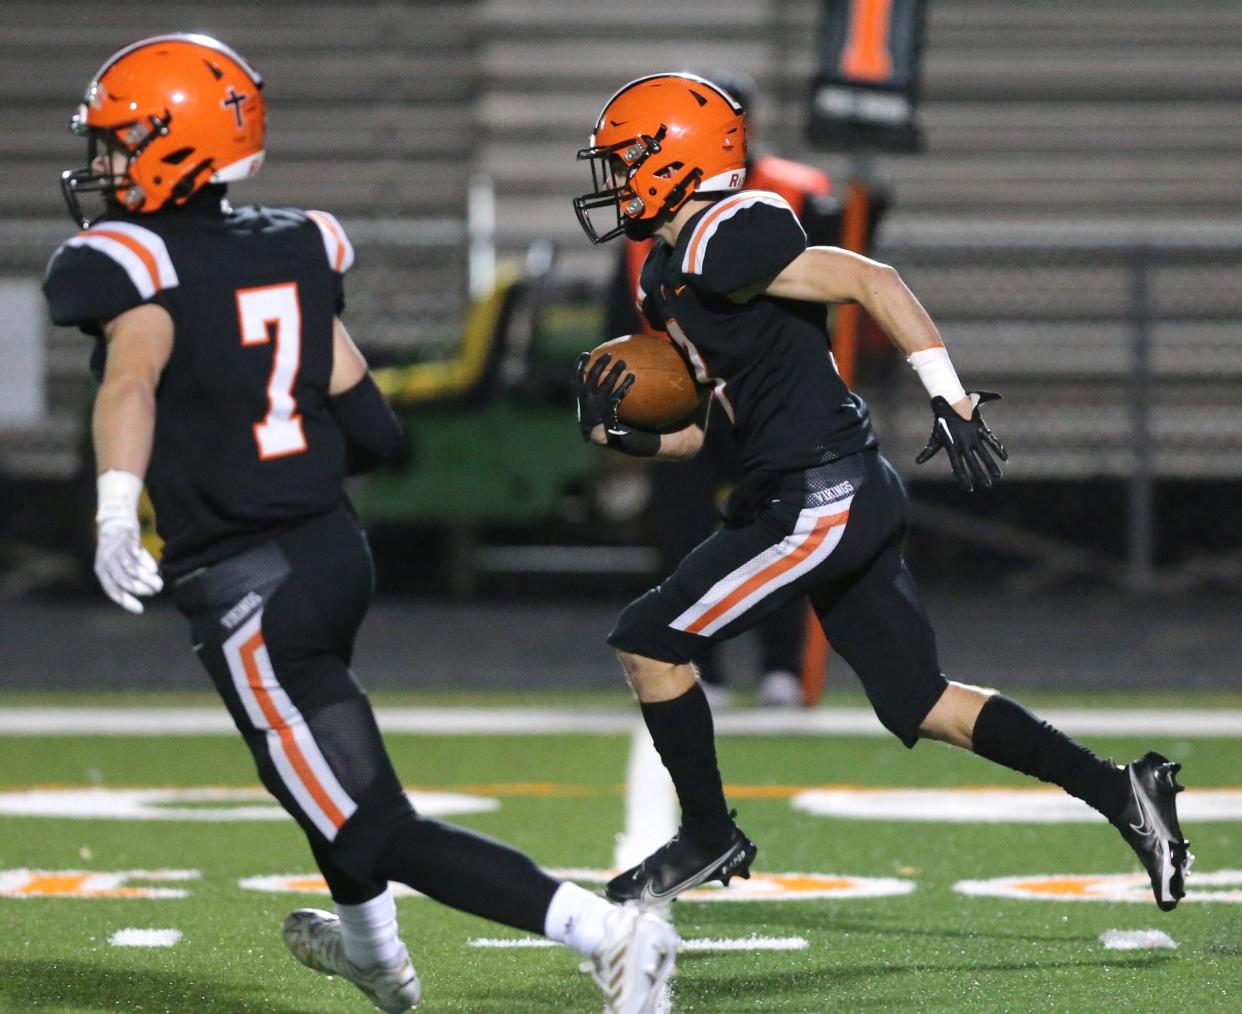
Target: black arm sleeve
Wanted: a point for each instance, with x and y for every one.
(373, 435)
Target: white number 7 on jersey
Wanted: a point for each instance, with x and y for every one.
(267, 309)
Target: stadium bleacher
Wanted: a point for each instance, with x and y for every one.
(1076, 123)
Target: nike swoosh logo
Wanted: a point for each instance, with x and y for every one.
(647, 895)
(1146, 829)
(948, 434)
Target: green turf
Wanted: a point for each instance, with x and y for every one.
(930, 950)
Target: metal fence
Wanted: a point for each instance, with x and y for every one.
(1120, 356)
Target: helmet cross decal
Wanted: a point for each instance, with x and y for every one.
(235, 101)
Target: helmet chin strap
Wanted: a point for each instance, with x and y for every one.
(644, 228)
(678, 195)
(639, 229)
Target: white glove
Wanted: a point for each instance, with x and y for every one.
(123, 566)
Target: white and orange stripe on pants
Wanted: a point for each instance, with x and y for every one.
(816, 534)
(297, 757)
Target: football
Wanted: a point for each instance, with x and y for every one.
(664, 392)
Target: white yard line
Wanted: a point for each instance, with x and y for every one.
(825, 721)
(145, 937)
(650, 803)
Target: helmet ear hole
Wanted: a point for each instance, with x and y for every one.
(669, 170)
(178, 156)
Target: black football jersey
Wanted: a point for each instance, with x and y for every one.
(245, 445)
(768, 360)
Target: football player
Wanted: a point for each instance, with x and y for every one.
(689, 491)
(820, 512)
(230, 385)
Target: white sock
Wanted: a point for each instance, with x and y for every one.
(369, 932)
(576, 919)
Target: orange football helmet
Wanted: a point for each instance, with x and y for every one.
(659, 141)
(184, 110)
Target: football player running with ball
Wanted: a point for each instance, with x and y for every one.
(230, 384)
(820, 513)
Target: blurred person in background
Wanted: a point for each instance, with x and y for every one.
(231, 386)
(820, 513)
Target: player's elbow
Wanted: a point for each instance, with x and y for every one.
(876, 283)
(877, 274)
(128, 388)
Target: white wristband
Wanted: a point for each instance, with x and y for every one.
(935, 370)
(117, 493)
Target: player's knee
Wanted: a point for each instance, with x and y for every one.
(635, 637)
(640, 670)
(913, 715)
(362, 839)
(952, 719)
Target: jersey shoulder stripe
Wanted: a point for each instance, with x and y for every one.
(139, 251)
(696, 249)
(336, 245)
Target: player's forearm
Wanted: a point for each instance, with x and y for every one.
(897, 311)
(123, 427)
(677, 446)
(681, 444)
(899, 314)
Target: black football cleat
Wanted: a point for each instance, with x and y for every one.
(680, 864)
(1150, 827)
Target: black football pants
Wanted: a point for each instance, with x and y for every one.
(831, 533)
(275, 627)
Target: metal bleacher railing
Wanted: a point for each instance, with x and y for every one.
(1117, 352)
(1068, 226)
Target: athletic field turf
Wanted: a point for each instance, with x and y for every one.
(968, 907)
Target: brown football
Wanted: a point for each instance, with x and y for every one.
(664, 392)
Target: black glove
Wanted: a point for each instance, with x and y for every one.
(598, 399)
(968, 442)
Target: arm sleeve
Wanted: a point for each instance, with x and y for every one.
(740, 241)
(373, 436)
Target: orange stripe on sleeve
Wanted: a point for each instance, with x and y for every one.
(328, 224)
(274, 719)
(812, 542)
(708, 219)
(142, 253)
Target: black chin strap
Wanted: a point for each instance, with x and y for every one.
(676, 196)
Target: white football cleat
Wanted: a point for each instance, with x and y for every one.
(633, 964)
(314, 938)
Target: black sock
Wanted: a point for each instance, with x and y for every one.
(685, 739)
(1005, 732)
(469, 872)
